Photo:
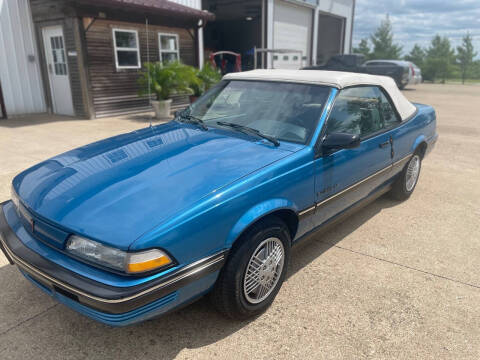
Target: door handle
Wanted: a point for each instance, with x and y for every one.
(385, 144)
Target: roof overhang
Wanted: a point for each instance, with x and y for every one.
(157, 11)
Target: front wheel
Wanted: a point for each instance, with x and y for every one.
(255, 270)
(407, 180)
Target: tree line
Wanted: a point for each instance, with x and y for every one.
(438, 62)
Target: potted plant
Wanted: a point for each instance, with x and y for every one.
(206, 78)
(163, 81)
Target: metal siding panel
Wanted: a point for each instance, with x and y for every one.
(38, 101)
(22, 67)
(21, 82)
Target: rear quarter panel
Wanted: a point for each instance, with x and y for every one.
(409, 135)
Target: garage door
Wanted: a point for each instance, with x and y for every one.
(292, 29)
(331, 36)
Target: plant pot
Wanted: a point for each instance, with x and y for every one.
(193, 98)
(162, 108)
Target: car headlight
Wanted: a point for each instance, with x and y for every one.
(15, 198)
(129, 262)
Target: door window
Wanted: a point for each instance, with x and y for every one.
(58, 54)
(361, 111)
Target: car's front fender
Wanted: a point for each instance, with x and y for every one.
(255, 213)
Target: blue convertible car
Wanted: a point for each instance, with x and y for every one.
(131, 227)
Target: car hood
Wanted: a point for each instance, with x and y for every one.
(116, 189)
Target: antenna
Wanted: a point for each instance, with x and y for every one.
(148, 71)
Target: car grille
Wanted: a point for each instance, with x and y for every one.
(41, 229)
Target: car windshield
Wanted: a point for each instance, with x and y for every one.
(281, 111)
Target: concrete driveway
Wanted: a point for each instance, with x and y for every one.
(396, 280)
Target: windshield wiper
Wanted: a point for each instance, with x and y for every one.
(246, 129)
(193, 120)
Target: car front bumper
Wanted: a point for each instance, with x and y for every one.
(105, 303)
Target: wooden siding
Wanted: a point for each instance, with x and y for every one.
(57, 12)
(115, 91)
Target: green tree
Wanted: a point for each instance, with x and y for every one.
(439, 59)
(465, 56)
(363, 48)
(382, 40)
(416, 56)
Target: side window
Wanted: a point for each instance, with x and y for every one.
(387, 110)
(356, 111)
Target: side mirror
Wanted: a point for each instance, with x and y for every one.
(337, 141)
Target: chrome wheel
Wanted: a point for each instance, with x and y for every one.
(413, 170)
(263, 270)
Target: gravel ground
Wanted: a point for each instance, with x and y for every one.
(396, 280)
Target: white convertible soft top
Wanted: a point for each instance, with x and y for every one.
(335, 79)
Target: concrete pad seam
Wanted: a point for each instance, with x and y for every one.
(28, 319)
(402, 265)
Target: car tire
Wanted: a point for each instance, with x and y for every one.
(407, 180)
(254, 271)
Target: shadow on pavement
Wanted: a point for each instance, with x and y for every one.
(34, 119)
(33, 322)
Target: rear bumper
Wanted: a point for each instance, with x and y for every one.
(106, 303)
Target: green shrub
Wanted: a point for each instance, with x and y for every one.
(167, 79)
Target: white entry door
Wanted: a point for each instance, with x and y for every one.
(58, 70)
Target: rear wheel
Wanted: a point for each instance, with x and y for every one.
(255, 270)
(407, 180)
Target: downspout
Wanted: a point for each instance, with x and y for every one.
(315, 36)
(351, 27)
(262, 45)
(201, 50)
(270, 32)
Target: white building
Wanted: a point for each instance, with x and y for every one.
(317, 28)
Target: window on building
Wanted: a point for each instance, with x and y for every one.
(127, 53)
(168, 47)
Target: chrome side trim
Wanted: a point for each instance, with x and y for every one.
(351, 187)
(306, 211)
(404, 159)
(214, 259)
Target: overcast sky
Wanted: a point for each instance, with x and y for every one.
(417, 21)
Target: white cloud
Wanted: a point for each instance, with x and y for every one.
(418, 21)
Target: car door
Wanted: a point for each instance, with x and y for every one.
(345, 176)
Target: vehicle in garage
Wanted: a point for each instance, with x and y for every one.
(400, 71)
(131, 227)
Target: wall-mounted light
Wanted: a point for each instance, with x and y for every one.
(249, 18)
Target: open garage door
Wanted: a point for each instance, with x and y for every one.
(331, 37)
(292, 29)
